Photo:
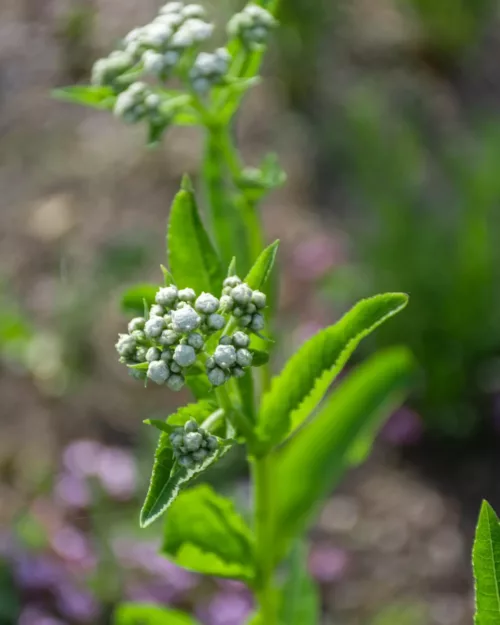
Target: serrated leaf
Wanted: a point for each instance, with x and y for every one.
(300, 603)
(150, 614)
(132, 299)
(160, 425)
(486, 563)
(198, 411)
(309, 465)
(102, 98)
(259, 273)
(204, 533)
(192, 258)
(306, 377)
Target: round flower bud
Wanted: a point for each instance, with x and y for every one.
(216, 321)
(210, 363)
(154, 62)
(196, 340)
(166, 296)
(240, 339)
(225, 340)
(245, 321)
(187, 462)
(251, 309)
(156, 311)
(140, 354)
(185, 320)
(193, 10)
(258, 322)
(171, 7)
(192, 441)
(125, 345)
(191, 426)
(212, 443)
(170, 59)
(137, 374)
(200, 455)
(138, 335)
(158, 371)
(168, 337)
(184, 355)
(242, 294)
(244, 357)
(227, 290)
(187, 295)
(174, 367)
(201, 85)
(177, 438)
(226, 303)
(237, 312)
(166, 355)
(153, 353)
(232, 281)
(175, 382)
(225, 356)
(206, 303)
(216, 376)
(136, 324)
(259, 299)
(154, 327)
(156, 34)
(237, 372)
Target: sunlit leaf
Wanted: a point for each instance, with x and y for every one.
(486, 562)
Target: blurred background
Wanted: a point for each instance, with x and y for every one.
(386, 117)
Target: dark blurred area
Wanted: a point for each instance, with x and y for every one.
(386, 117)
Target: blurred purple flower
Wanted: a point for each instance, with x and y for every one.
(77, 604)
(34, 616)
(80, 457)
(72, 491)
(38, 572)
(117, 470)
(227, 609)
(154, 592)
(314, 257)
(73, 546)
(403, 428)
(328, 564)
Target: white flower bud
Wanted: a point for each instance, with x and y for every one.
(251, 309)
(242, 294)
(184, 355)
(172, 20)
(226, 290)
(168, 337)
(196, 340)
(152, 354)
(166, 355)
(206, 303)
(201, 85)
(174, 367)
(125, 346)
(156, 34)
(187, 295)
(185, 320)
(216, 376)
(240, 339)
(192, 441)
(191, 426)
(216, 322)
(200, 30)
(156, 311)
(225, 356)
(176, 438)
(171, 58)
(212, 443)
(259, 299)
(226, 303)
(200, 455)
(140, 354)
(245, 321)
(232, 281)
(244, 357)
(237, 372)
(237, 312)
(187, 462)
(171, 7)
(154, 327)
(258, 322)
(158, 372)
(225, 340)
(138, 335)
(193, 10)
(154, 63)
(136, 324)
(210, 363)
(175, 382)
(183, 38)
(167, 296)
(137, 374)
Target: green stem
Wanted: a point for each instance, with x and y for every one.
(264, 538)
(235, 416)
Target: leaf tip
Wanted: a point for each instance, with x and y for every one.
(186, 184)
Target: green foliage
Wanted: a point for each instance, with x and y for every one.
(312, 462)
(149, 614)
(300, 601)
(486, 562)
(102, 98)
(204, 533)
(191, 256)
(133, 298)
(261, 269)
(298, 389)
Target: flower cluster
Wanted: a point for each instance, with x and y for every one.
(209, 69)
(165, 345)
(192, 444)
(138, 102)
(230, 359)
(251, 26)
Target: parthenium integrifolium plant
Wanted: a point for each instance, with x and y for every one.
(208, 327)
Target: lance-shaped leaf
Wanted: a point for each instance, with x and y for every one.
(191, 256)
(300, 602)
(150, 614)
(88, 95)
(306, 377)
(486, 562)
(259, 273)
(309, 465)
(204, 533)
(133, 298)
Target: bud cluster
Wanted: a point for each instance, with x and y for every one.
(138, 102)
(230, 359)
(244, 303)
(209, 69)
(192, 445)
(252, 26)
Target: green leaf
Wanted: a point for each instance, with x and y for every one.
(192, 258)
(102, 98)
(257, 182)
(167, 276)
(300, 604)
(149, 614)
(259, 273)
(309, 465)
(486, 563)
(132, 299)
(259, 357)
(299, 388)
(204, 533)
(163, 426)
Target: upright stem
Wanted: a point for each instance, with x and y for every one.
(262, 474)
